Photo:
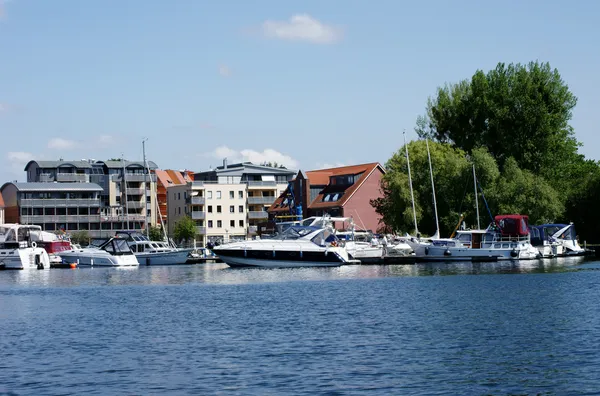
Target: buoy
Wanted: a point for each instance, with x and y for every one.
(73, 265)
(447, 252)
(514, 253)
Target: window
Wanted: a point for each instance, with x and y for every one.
(178, 195)
(218, 208)
(219, 224)
(218, 194)
(210, 224)
(209, 194)
(231, 194)
(241, 209)
(240, 194)
(241, 222)
(209, 208)
(179, 210)
(232, 223)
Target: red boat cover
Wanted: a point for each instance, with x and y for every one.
(513, 225)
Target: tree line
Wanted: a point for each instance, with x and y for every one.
(512, 124)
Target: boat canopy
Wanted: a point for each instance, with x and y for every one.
(512, 225)
(546, 232)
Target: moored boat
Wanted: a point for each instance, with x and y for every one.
(154, 252)
(114, 252)
(18, 250)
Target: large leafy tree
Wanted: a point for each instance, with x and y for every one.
(515, 110)
(185, 229)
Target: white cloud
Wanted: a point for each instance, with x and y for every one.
(16, 163)
(328, 165)
(224, 70)
(256, 157)
(302, 27)
(62, 144)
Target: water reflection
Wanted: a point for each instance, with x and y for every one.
(222, 274)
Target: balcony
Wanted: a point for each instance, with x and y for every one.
(197, 200)
(123, 218)
(135, 204)
(258, 215)
(135, 191)
(136, 177)
(46, 178)
(201, 230)
(72, 177)
(58, 203)
(261, 200)
(197, 215)
(261, 184)
(40, 219)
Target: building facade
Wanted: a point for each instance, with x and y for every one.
(229, 202)
(165, 179)
(128, 188)
(68, 207)
(344, 191)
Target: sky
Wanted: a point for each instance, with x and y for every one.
(307, 84)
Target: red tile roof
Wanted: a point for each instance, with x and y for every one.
(321, 177)
(171, 177)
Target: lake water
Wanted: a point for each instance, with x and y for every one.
(456, 329)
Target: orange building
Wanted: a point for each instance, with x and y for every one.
(166, 179)
(1, 210)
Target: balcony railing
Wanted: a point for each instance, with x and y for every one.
(123, 218)
(259, 184)
(59, 203)
(135, 191)
(135, 204)
(258, 215)
(72, 177)
(197, 200)
(197, 215)
(137, 177)
(201, 230)
(39, 219)
(261, 200)
(46, 177)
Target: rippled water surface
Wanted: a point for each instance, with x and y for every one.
(461, 328)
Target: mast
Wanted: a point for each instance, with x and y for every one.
(476, 199)
(437, 223)
(412, 196)
(146, 186)
(125, 191)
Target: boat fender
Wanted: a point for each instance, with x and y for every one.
(447, 252)
(514, 253)
(426, 250)
(33, 244)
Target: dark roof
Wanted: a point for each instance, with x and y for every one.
(56, 164)
(119, 164)
(37, 186)
(83, 164)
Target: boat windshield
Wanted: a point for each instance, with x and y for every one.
(117, 246)
(296, 232)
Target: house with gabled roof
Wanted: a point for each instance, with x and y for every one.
(344, 191)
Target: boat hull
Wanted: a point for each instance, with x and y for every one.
(176, 257)
(96, 260)
(433, 253)
(279, 259)
(24, 259)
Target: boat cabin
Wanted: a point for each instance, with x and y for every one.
(14, 236)
(546, 232)
(317, 235)
(512, 225)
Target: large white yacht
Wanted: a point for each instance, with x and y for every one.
(18, 250)
(297, 246)
(154, 252)
(114, 252)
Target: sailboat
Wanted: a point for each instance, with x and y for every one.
(506, 238)
(152, 252)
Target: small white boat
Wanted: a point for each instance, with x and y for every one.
(114, 252)
(297, 246)
(18, 250)
(556, 240)
(154, 252)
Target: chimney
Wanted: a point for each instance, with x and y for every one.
(224, 163)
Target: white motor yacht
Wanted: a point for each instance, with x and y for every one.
(154, 252)
(297, 246)
(114, 252)
(18, 250)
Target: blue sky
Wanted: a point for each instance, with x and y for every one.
(307, 84)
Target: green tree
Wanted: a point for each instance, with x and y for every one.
(81, 238)
(185, 229)
(156, 233)
(519, 111)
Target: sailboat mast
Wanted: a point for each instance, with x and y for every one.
(437, 223)
(125, 191)
(476, 199)
(412, 196)
(146, 186)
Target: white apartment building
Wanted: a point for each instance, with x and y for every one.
(227, 203)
